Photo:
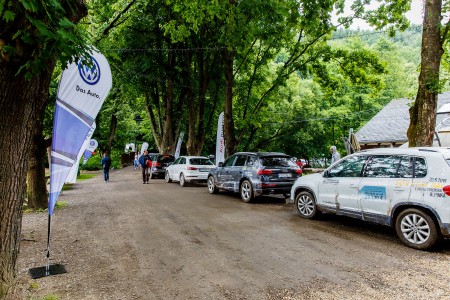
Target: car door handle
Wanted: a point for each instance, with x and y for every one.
(353, 186)
(399, 190)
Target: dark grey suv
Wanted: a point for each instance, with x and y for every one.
(255, 173)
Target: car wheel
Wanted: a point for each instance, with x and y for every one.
(212, 189)
(151, 175)
(246, 191)
(417, 229)
(182, 180)
(306, 205)
(167, 177)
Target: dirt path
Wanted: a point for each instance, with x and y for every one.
(127, 240)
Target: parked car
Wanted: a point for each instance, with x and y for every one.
(189, 169)
(255, 173)
(408, 189)
(159, 164)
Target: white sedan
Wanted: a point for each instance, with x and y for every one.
(189, 169)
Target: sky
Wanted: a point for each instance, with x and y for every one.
(414, 15)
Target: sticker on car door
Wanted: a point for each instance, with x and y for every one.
(369, 192)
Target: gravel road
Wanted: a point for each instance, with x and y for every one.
(128, 240)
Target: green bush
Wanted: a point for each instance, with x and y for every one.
(94, 162)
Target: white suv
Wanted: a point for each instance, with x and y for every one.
(406, 188)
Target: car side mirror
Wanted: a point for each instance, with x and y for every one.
(221, 164)
(326, 174)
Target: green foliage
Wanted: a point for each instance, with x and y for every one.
(94, 162)
(36, 32)
(299, 86)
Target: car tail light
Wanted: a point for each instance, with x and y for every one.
(446, 190)
(299, 171)
(263, 172)
(191, 168)
(156, 164)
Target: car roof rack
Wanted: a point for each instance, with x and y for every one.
(427, 150)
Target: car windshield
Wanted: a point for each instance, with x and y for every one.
(200, 162)
(277, 161)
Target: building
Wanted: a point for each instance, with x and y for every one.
(389, 126)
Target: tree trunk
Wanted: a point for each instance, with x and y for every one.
(21, 101)
(112, 133)
(230, 139)
(36, 183)
(423, 112)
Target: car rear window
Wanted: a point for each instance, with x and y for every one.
(166, 159)
(274, 161)
(200, 162)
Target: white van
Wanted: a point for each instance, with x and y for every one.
(405, 188)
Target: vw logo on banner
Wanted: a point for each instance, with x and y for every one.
(90, 75)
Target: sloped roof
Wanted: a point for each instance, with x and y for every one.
(391, 123)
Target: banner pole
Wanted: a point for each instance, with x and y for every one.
(47, 267)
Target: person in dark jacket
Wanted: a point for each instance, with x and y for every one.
(106, 164)
(145, 162)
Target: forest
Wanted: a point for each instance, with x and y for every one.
(301, 114)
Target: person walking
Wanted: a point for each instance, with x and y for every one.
(335, 156)
(106, 164)
(145, 163)
(136, 160)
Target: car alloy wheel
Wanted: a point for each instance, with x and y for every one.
(417, 229)
(167, 177)
(306, 206)
(212, 189)
(182, 180)
(246, 191)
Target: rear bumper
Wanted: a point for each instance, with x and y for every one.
(272, 188)
(197, 177)
(158, 172)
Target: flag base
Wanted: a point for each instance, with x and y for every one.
(40, 272)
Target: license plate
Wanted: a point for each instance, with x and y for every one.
(285, 175)
(204, 170)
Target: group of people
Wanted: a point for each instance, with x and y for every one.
(144, 162)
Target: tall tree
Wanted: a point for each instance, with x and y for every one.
(32, 36)
(434, 35)
(423, 112)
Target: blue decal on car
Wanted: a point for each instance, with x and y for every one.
(369, 192)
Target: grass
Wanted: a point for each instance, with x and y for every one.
(66, 187)
(33, 286)
(86, 176)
